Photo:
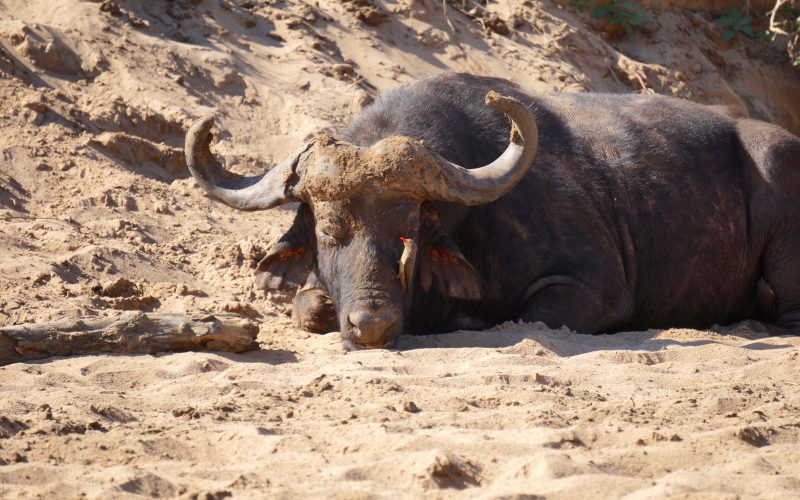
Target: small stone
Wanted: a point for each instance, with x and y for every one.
(341, 70)
(32, 117)
(138, 22)
(410, 407)
(95, 426)
(108, 200)
(363, 99)
(433, 37)
(497, 25)
(110, 7)
(36, 104)
(126, 202)
(120, 287)
(161, 207)
(371, 16)
(211, 495)
(752, 436)
(240, 309)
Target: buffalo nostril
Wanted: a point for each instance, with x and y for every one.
(371, 326)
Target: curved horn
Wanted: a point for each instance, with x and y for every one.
(486, 184)
(258, 192)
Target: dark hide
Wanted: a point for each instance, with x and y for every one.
(290, 259)
(638, 212)
(441, 262)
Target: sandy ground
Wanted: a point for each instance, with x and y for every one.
(98, 214)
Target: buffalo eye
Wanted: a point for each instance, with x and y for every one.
(334, 234)
(327, 238)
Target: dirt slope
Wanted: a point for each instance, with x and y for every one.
(98, 213)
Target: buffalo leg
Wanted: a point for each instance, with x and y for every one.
(560, 300)
(782, 274)
(463, 320)
(771, 153)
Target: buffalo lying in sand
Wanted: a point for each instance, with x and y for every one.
(601, 212)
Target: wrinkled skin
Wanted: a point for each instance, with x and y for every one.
(350, 249)
(638, 212)
(359, 258)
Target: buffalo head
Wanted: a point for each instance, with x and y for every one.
(363, 227)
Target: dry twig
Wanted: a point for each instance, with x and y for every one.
(446, 17)
(792, 33)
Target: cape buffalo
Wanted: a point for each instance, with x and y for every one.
(601, 212)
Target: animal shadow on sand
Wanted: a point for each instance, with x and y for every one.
(564, 343)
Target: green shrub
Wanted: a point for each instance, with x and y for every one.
(621, 13)
(616, 13)
(733, 23)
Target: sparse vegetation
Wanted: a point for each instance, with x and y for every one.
(734, 22)
(621, 13)
(784, 21)
(616, 13)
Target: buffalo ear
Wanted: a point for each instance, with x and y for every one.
(455, 277)
(286, 266)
